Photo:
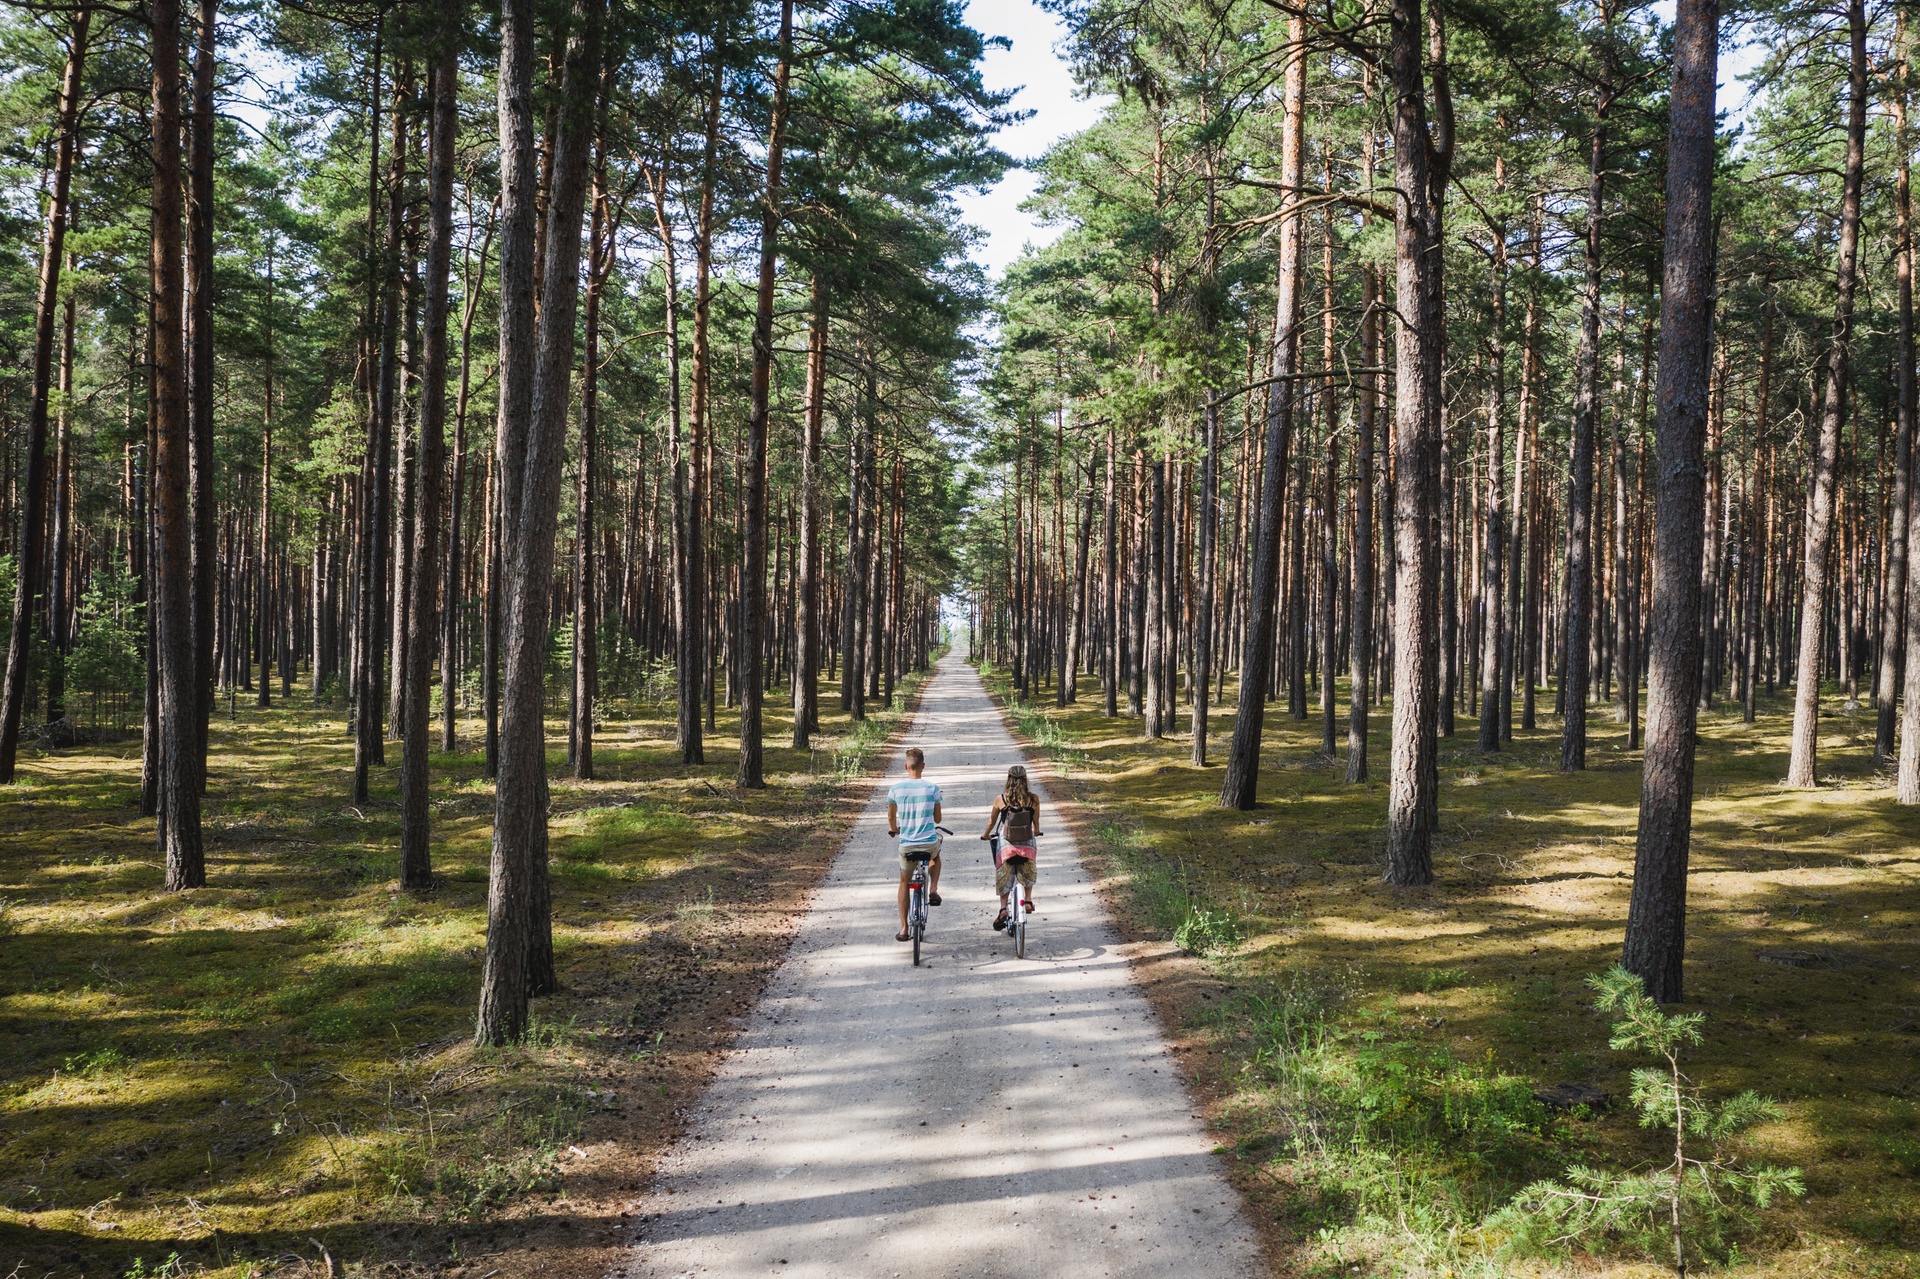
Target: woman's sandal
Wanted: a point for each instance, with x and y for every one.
(1000, 921)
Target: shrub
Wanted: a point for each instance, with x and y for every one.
(107, 653)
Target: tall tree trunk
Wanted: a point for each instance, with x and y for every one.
(1329, 655)
(453, 592)
(1494, 672)
(586, 608)
(491, 619)
(416, 853)
(1329, 575)
(1578, 621)
(853, 586)
(1153, 723)
(1656, 920)
(1112, 664)
(200, 368)
(806, 674)
(687, 698)
(1360, 664)
(1449, 599)
(59, 593)
(533, 404)
(1819, 529)
(753, 561)
(263, 587)
(1423, 153)
(173, 611)
(150, 738)
(30, 550)
(1203, 636)
(1362, 644)
(1894, 635)
(405, 421)
(1521, 594)
(1626, 588)
(1240, 788)
(696, 670)
(377, 536)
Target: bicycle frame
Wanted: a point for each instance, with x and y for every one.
(1016, 903)
(918, 885)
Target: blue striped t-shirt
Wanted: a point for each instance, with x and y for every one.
(913, 801)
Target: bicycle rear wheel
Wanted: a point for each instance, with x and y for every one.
(919, 930)
(1020, 938)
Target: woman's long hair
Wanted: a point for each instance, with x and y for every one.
(1017, 794)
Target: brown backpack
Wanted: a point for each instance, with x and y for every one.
(1016, 825)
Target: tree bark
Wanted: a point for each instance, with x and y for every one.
(533, 408)
(586, 607)
(60, 584)
(173, 611)
(1586, 412)
(1423, 153)
(753, 562)
(1894, 634)
(1365, 425)
(376, 520)
(416, 852)
(806, 674)
(1494, 672)
(696, 667)
(263, 585)
(31, 550)
(1801, 770)
(1656, 921)
(200, 368)
(457, 516)
(1240, 788)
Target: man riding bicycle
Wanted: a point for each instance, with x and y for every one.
(913, 812)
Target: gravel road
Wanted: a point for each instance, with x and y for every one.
(979, 1115)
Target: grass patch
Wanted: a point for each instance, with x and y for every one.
(1384, 1046)
(284, 1056)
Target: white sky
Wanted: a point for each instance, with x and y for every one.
(1046, 89)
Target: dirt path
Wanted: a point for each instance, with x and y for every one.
(980, 1115)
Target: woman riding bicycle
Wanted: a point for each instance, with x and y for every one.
(1012, 826)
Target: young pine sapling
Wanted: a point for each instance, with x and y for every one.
(1700, 1196)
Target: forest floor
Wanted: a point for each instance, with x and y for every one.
(274, 1074)
(1369, 1055)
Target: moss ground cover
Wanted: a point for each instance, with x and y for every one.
(273, 1074)
(1381, 1048)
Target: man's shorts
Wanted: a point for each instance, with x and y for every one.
(906, 862)
(1011, 864)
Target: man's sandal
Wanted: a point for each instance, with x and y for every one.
(903, 937)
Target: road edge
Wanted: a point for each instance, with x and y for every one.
(1176, 985)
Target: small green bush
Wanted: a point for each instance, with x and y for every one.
(1207, 930)
(108, 655)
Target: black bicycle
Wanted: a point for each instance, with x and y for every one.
(917, 881)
